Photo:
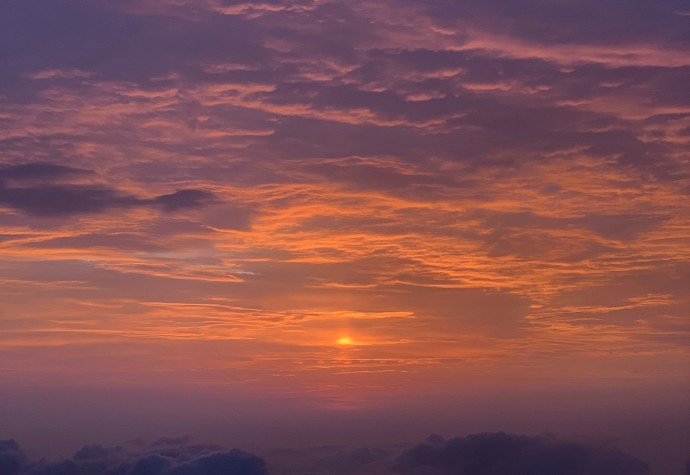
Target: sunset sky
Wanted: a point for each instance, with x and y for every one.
(296, 222)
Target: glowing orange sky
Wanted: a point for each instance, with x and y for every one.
(387, 197)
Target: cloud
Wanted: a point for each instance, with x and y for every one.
(11, 457)
(507, 454)
(40, 195)
(153, 464)
(39, 171)
(167, 456)
(66, 467)
(235, 462)
(475, 454)
(65, 200)
(90, 452)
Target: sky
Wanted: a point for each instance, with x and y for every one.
(302, 222)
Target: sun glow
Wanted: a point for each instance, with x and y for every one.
(345, 341)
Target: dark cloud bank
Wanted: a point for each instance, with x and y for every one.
(475, 454)
(44, 190)
(163, 457)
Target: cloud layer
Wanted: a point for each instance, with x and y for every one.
(504, 454)
(480, 454)
(163, 457)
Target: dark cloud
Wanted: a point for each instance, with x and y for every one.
(167, 456)
(153, 464)
(39, 171)
(11, 457)
(65, 467)
(475, 454)
(89, 452)
(45, 198)
(234, 462)
(505, 454)
(65, 200)
(356, 461)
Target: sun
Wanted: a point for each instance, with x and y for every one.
(345, 341)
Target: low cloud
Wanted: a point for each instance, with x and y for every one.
(12, 458)
(474, 454)
(90, 452)
(164, 457)
(507, 454)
